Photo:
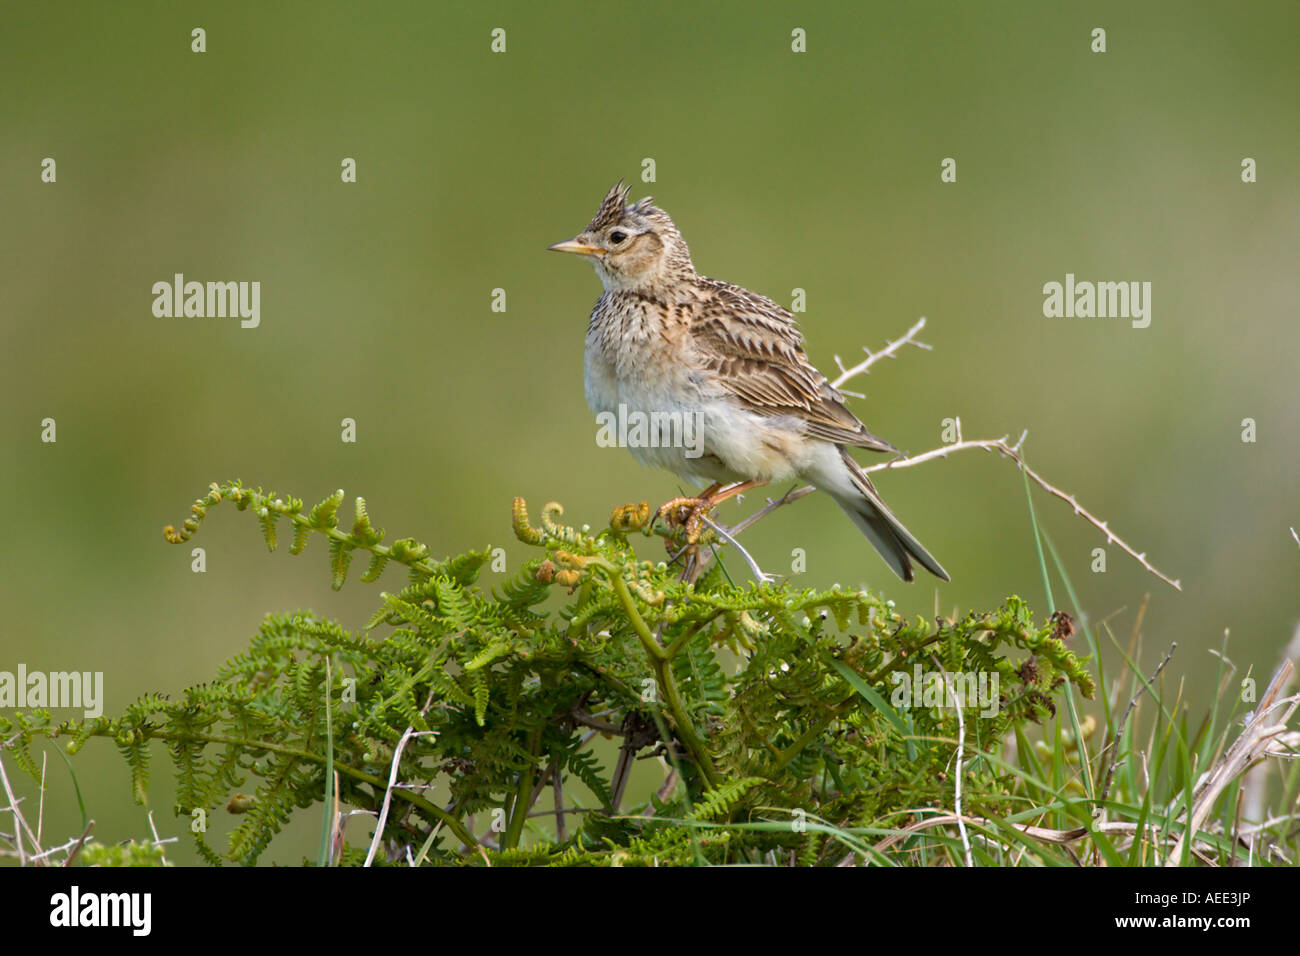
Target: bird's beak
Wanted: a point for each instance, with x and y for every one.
(576, 247)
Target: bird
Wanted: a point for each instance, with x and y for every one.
(664, 340)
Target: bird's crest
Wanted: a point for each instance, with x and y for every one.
(614, 206)
(611, 207)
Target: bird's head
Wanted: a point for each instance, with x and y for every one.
(633, 247)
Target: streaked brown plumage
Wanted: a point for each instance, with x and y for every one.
(664, 339)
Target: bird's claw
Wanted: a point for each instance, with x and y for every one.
(685, 513)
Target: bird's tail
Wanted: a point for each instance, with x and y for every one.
(854, 492)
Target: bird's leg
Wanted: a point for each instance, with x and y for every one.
(671, 506)
(711, 501)
(710, 498)
(731, 491)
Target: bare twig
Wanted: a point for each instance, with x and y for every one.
(81, 841)
(762, 576)
(20, 823)
(889, 351)
(1106, 753)
(388, 791)
(794, 494)
(392, 778)
(961, 747)
(49, 854)
(1013, 452)
(157, 840)
(1007, 451)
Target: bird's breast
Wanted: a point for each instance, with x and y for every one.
(636, 356)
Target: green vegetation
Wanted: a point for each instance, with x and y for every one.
(777, 712)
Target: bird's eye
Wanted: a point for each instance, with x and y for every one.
(617, 237)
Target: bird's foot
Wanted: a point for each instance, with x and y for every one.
(687, 513)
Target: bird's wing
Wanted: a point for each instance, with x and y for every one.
(756, 351)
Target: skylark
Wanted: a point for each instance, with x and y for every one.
(665, 340)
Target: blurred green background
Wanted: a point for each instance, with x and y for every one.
(817, 170)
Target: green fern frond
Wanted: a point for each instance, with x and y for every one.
(325, 514)
(720, 801)
(340, 561)
(490, 691)
(377, 564)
